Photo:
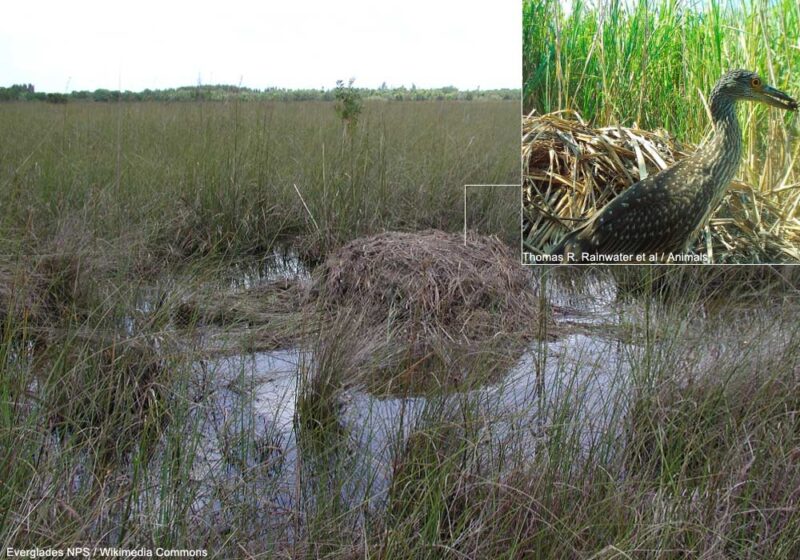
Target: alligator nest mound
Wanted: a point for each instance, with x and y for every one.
(571, 170)
(415, 311)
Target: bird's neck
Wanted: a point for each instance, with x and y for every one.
(724, 151)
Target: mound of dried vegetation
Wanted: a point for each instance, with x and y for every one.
(571, 170)
(426, 309)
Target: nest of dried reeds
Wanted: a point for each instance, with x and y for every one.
(571, 170)
(430, 308)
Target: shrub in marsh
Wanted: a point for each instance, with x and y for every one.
(348, 103)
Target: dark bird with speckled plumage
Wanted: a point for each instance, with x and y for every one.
(662, 213)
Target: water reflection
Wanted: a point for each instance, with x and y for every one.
(258, 395)
(580, 384)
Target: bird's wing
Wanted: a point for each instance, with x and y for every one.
(641, 219)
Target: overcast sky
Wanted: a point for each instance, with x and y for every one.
(61, 46)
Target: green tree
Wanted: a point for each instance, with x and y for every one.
(348, 103)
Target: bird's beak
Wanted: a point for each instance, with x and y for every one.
(777, 98)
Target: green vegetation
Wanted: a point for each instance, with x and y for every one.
(134, 239)
(152, 182)
(348, 103)
(648, 61)
(650, 65)
(147, 439)
(123, 227)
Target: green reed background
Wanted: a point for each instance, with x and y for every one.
(646, 61)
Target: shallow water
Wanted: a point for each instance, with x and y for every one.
(579, 385)
(280, 265)
(255, 396)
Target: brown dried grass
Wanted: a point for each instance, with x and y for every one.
(38, 293)
(432, 310)
(571, 170)
(265, 317)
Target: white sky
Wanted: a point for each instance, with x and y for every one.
(63, 45)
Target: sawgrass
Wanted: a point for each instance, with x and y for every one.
(170, 181)
(117, 221)
(108, 436)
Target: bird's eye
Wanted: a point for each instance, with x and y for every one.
(756, 82)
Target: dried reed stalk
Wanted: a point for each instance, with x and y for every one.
(571, 170)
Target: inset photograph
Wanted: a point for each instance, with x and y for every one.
(660, 134)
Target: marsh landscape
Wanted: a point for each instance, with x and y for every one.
(644, 411)
(177, 382)
(260, 328)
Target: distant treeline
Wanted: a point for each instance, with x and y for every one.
(27, 92)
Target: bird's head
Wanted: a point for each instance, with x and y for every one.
(744, 84)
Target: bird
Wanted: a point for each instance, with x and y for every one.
(661, 214)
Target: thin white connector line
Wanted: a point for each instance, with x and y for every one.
(518, 186)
